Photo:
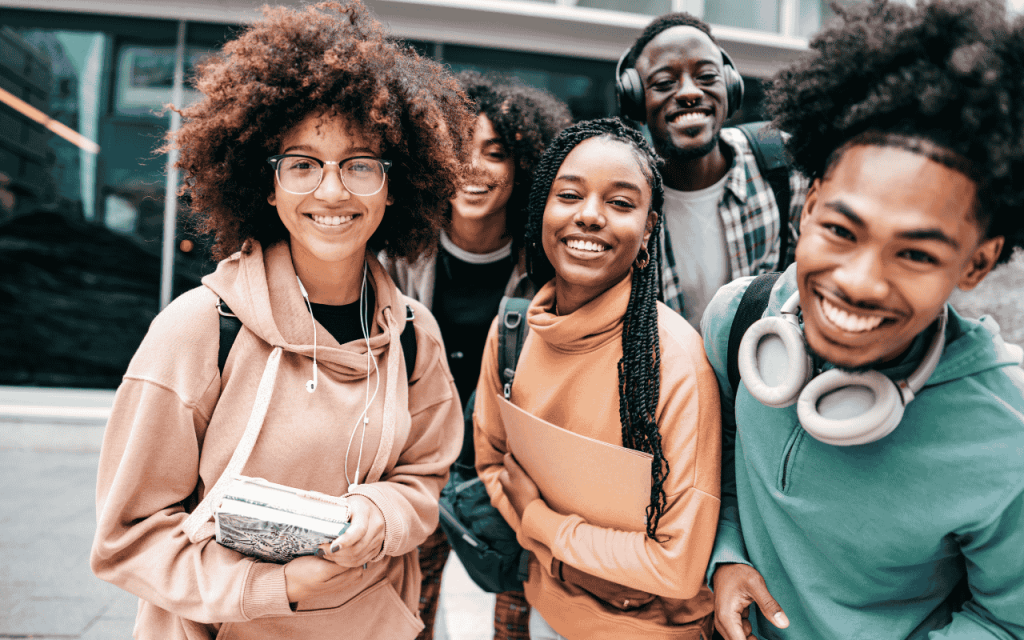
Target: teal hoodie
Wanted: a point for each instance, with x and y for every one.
(879, 540)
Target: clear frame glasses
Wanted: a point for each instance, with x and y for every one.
(298, 174)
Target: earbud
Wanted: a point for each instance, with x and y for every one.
(310, 384)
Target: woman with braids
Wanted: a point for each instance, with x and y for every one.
(319, 142)
(479, 260)
(878, 484)
(606, 360)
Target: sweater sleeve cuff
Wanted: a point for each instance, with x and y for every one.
(728, 549)
(394, 526)
(265, 593)
(541, 523)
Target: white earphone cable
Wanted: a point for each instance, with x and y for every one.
(364, 418)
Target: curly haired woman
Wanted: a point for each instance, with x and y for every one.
(319, 142)
(479, 260)
(605, 360)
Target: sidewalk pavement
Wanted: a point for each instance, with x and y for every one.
(49, 450)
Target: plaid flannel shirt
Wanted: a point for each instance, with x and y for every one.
(750, 218)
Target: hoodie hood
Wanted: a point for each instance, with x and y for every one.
(262, 290)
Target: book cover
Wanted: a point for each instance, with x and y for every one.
(275, 523)
(605, 484)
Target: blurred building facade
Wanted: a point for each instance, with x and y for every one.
(104, 69)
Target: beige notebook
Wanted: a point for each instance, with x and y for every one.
(607, 485)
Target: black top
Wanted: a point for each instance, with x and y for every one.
(342, 320)
(466, 299)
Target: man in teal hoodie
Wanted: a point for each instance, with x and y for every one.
(843, 516)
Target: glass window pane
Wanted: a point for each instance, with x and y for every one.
(81, 232)
(762, 15)
(587, 86)
(647, 7)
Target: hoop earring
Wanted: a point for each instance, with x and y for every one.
(641, 263)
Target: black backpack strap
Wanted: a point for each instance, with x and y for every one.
(512, 331)
(751, 307)
(772, 159)
(230, 325)
(408, 340)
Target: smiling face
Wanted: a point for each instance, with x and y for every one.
(487, 188)
(328, 228)
(884, 239)
(684, 92)
(596, 218)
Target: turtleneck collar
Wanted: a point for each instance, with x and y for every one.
(586, 329)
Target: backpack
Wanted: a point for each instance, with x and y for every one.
(230, 325)
(477, 532)
(751, 307)
(773, 161)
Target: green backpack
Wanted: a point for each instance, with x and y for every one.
(483, 541)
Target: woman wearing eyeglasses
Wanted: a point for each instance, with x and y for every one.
(319, 142)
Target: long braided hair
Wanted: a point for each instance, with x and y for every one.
(640, 366)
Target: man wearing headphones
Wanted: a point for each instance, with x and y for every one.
(873, 448)
(721, 216)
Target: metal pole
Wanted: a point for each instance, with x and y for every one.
(171, 187)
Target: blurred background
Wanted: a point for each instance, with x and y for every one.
(93, 241)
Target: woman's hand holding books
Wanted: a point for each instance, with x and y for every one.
(308, 576)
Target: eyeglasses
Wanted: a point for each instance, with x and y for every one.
(361, 175)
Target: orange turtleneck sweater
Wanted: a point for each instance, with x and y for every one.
(567, 374)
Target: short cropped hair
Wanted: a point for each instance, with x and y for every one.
(663, 23)
(946, 73)
(330, 59)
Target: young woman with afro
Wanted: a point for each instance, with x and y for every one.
(319, 142)
(479, 260)
(604, 359)
(878, 484)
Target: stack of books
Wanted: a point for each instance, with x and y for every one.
(275, 523)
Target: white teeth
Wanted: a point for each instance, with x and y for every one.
(848, 321)
(332, 221)
(695, 116)
(474, 190)
(585, 245)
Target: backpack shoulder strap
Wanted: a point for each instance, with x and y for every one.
(772, 159)
(408, 340)
(512, 331)
(230, 325)
(751, 307)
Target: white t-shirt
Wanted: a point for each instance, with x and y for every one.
(698, 245)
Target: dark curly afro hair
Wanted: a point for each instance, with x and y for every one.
(329, 59)
(526, 119)
(943, 79)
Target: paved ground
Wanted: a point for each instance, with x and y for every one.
(48, 474)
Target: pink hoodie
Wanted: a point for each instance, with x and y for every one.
(176, 422)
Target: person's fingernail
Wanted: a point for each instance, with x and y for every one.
(334, 548)
(781, 620)
(319, 553)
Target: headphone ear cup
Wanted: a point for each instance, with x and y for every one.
(773, 362)
(844, 409)
(734, 90)
(630, 92)
(733, 84)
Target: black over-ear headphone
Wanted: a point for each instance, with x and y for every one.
(629, 89)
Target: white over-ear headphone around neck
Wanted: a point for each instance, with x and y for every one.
(836, 407)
